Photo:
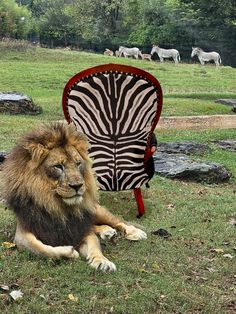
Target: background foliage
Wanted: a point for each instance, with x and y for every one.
(98, 24)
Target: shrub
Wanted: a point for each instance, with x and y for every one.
(15, 44)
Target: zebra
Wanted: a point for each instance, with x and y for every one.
(206, 56)
(130, 52)
(166, 53)
(116, 111)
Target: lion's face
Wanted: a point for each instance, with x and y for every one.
(65, 170)
(51, 167)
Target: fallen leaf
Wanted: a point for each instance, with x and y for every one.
(217, 250)
(226, 243)
(156, 267)
(4, 287)
(42, 296)
(16, 294)
(228, 255)
(211, 270)
(232, 221)
(71, 297)
(142, 270)
(8, 245)
(171, 206)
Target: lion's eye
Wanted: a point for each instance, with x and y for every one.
(59, 167)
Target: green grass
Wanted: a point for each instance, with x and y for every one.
(185, 86)
(179, 275)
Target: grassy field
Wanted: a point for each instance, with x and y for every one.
(191, 272)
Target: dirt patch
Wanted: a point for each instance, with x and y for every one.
(198, 122)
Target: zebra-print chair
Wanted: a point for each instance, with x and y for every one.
(117, 107)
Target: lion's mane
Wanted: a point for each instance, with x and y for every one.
(29, 194)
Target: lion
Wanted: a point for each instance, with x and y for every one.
(50, 186)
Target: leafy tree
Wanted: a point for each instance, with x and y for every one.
(96, 21)
(154, 22)
(100, 24)
(25, 2)
(215, 25)
(15, 20)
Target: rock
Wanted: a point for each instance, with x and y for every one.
(234, 109)
(2, 156)
(162, 233)
(230, 102)
(229, 145)
(17, 103)
(182, 148)
(182, 167)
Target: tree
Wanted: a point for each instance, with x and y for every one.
(215, 26)
(15, 20)
(100, 24)
(95, 21)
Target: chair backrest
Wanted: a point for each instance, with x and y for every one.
(117, 107)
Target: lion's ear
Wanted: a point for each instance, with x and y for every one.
(37, 151)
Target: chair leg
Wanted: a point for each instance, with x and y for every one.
(139, 200)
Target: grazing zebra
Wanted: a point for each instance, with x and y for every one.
(130, 52)
(118, 112)
(206, 56)
(166, 53)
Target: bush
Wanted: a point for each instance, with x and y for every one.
(15, 44)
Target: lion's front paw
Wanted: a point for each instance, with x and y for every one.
(65, 251)
(102, 263)
(107, 233)
(134, 234)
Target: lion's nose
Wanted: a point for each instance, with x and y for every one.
(76, 186)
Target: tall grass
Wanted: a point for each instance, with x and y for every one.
(8, 44)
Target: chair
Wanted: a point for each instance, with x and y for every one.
(117, 107)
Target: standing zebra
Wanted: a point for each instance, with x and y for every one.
(130, 52)
(166, 54)
(206, 56)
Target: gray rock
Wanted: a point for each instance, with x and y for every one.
(182, 148)
(2, 156)
(17, 103)
(229, 145)
(182, 167)
(230, 102)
